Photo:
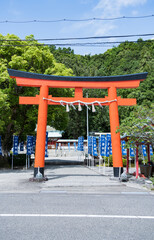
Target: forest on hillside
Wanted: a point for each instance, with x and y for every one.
(127, 58)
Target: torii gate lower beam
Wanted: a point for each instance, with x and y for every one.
(45, 81)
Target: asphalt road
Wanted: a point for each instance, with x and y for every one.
(59, 215)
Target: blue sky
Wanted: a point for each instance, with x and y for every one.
(18, 10)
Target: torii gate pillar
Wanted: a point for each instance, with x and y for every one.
(41, 131)
(115, 137)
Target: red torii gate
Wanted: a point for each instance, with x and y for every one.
(112, 83)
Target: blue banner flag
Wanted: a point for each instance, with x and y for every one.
(74, 146)
(124, 150)
(107, 154)
(111, 149)
(29, 145)
(33, 144)
(80, 144)
(15, 145)
(110, 144)
(144, 151)
(90, 145)
(32, 147)
(56, 145)
(0, 146)
(132, 152)
(102, 145)
(69, 146)
(151, 150)
(22, 146)
(46, 145)
(94, 146)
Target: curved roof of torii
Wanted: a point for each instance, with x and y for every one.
(128, 77)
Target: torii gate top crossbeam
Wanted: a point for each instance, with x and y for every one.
(38, 80)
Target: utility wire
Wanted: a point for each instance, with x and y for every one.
(78, 38)
(95, 44)
(78, 20)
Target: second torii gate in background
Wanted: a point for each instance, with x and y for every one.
(112, 83)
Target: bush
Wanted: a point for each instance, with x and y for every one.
(124, 162)
(106, 159)
(152, 179)
(4, 162)
(111, 162)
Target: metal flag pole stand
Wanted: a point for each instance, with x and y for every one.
(15, 147)
(143, 159)
(12, 154)
(12, 161)
(39, 175)
(99, 163)
(26, 161)
(119, 172)
(89, 161)
(104, 167)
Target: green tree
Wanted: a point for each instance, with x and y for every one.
(139, 126)
(127, 58)
(21, 119)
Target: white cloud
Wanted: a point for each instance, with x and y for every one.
(13, 10)
(111, 9)
(104, 9)
(134, 13)
(102, 29)
(114, 6)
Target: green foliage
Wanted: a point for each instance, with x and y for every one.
(127, 58)
(4, 107)
(139, 126)
(108, 161)
(22, 119)
(152, 179)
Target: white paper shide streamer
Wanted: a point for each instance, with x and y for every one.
(87, 104)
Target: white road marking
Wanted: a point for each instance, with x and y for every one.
(134, 193)
(76, 216)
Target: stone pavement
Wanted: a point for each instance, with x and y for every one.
(66, 178)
